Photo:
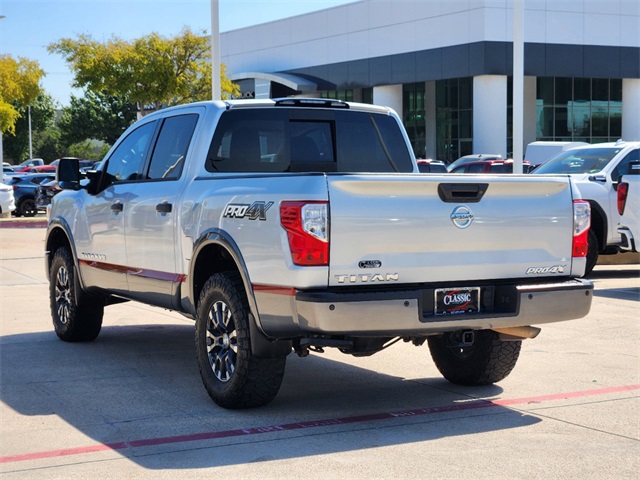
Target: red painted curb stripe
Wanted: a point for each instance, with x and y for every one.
(17, 224)
(472, 405)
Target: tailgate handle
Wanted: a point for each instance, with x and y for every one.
(462, 192)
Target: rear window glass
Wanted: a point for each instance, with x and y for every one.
(305, 140)
(579, 160)
(501, 168)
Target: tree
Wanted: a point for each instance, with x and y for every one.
(153, 71)
(96, 116)
(19, 87)
(42, 117)
(88, 150)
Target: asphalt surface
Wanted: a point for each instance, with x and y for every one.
(131, 404)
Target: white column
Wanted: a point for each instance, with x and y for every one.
(430, 135)
(631, 109)
(389, 96)
(490, 114)
(262, 88)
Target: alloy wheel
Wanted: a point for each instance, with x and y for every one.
(222, 341)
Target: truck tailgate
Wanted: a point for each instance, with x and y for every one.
(418, 228)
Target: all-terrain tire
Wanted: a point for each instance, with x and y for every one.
(233, 377)
(77, 316)
(488, 360)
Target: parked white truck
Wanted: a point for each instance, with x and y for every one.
(596, 170)
(629, 208)
(303, 224)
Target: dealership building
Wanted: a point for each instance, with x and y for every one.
(446, 67)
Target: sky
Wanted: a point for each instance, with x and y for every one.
(30, 25)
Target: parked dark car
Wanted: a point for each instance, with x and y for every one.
(431, 166)
(45, 193)
(24, 190)
(491, 166)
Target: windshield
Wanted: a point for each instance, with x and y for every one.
(579, 160)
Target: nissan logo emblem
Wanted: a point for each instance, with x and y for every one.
(462, 216)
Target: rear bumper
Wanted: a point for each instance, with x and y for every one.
(628, 243)
(403, 313)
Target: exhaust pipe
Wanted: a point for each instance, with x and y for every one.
(517, 333)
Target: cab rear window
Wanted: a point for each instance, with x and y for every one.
(307, 140)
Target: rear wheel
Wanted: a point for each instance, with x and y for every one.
(231, 374)
(483, 361)
(77, 317)
(28, 207)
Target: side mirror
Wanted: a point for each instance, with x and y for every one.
(68, 174)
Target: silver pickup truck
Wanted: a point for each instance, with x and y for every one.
(304, 224)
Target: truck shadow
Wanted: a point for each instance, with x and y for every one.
(605, 274)
(138, 385)
(630, 293)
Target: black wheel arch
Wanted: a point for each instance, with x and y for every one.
(215, 251)
(59, 235)
(599, 224)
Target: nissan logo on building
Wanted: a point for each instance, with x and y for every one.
(462, 216)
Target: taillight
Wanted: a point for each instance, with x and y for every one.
(623, 190)
(307, 226)
(581, 224)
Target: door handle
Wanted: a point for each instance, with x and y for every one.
(116, 207)
(164, 207)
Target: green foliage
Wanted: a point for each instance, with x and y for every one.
(88, 149)
(19, 87)
(16, 146)
(152, 71)
(47, 144)
(96, 116)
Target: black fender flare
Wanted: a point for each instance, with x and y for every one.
(261, 344)
(59, 224)
(602, 232)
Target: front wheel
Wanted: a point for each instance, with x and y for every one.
(483, 361)
(232, 375)
(77, 317)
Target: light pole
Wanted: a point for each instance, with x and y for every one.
(215, 51)
(518, 84)
(30, 146)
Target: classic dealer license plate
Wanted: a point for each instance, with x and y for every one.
(454, 301)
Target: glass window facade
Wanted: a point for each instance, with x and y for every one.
(578, 109)
(454, 118)
(413, 111)
(344, 95)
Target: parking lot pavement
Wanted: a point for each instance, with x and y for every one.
(131, 405)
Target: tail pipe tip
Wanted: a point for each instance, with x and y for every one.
(517, 333)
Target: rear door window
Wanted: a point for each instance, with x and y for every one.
(170, 150)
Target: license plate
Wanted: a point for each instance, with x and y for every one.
(456, 301)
